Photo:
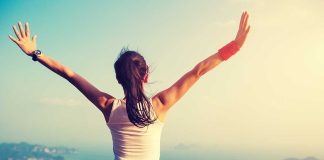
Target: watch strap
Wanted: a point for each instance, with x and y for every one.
(36, 54)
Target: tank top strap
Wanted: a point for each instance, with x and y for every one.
(117, 103)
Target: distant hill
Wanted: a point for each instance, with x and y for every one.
(26, 151)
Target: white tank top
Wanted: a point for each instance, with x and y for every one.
(131, 142)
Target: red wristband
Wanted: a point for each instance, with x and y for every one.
(228, 50)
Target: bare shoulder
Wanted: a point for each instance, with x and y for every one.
(105, 100)
(158, 108)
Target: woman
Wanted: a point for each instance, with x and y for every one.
(135, 121)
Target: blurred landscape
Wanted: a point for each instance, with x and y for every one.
(26, 151)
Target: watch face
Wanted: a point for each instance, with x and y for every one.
(37, 52)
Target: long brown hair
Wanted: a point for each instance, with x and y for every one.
(131, 69)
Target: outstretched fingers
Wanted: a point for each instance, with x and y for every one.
(27, 30)
(16, 32)
(13, 39)
(247, 30)
(21, 34)
(245, 21)
(242, 21)
(34, 38)
(22, 31)
(23, 40)
(244, 28)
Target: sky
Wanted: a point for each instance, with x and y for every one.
(267, 99)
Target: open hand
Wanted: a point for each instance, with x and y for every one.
(26, 44)
(243, 30)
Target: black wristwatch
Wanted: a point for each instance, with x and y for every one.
(36, 54)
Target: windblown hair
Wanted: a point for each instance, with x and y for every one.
(131, 69)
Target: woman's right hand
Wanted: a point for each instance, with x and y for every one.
(243, 30)
(26, 44)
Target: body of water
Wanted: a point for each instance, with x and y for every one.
(184, 154)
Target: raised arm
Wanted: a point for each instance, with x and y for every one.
(100, 99)
(170, 96)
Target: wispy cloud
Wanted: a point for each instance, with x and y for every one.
(69, 102)
(182, 146)
(306, 158)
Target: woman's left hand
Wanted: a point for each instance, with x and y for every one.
(26, 44)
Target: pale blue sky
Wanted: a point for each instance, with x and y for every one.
(268, 97)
